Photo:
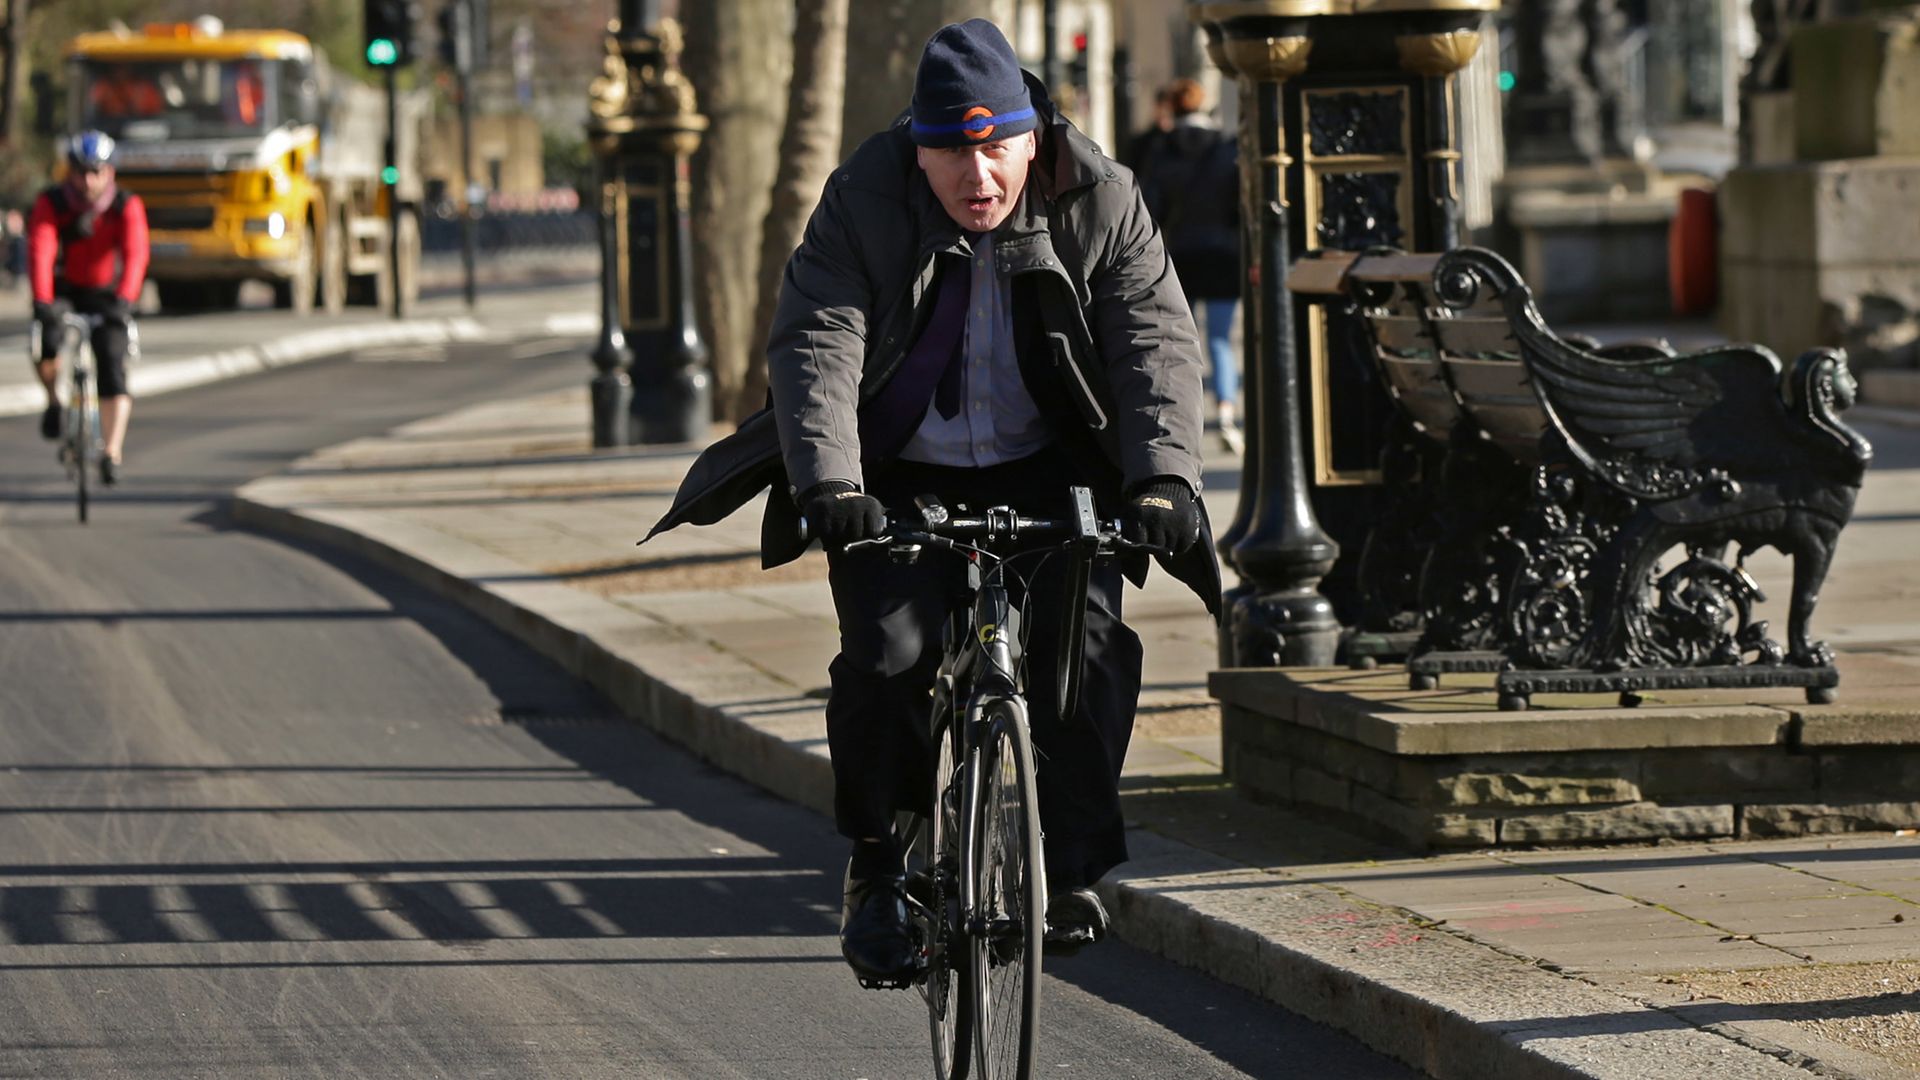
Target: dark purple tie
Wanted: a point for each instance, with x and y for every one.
(931, 372)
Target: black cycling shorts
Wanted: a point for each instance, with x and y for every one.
(109, 339)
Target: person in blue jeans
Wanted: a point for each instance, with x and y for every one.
(1190, 178)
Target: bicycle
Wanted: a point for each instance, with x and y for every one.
(976, 876)
(81, 443)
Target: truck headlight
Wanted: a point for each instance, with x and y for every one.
(274, 225)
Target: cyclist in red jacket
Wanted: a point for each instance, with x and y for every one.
(98, 236)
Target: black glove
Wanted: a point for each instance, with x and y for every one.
(838, 514)
(49, 314)
(117, 308)
(1162, 514)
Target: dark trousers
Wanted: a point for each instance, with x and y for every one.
(891, 617)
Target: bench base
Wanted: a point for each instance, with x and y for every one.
(1424, 671)
(1368, 649)
(1515, 687)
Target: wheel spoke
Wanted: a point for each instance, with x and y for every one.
(942, 986)
(1006, 945)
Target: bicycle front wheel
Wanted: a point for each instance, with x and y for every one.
(1009, 902)
(84, 423)
(83, 436)
(942, 987)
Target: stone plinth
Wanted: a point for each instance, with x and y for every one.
(1854, 87)
(1824, 253)
(1444, 769)
(1592, 241)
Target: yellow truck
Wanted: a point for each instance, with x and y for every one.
(256, 162)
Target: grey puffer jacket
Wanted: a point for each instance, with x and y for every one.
(1107, 345)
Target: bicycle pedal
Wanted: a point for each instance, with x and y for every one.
(902, 983)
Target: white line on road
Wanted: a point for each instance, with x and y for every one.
(161, 376)
(402, 354)
(543, 347)
(574, 323)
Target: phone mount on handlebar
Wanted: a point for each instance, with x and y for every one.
(1072, 651)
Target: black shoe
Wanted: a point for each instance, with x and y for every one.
(51, 422)
(875, 934)
(1075, 919)
(109, 472)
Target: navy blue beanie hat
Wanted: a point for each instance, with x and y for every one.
(969, 88)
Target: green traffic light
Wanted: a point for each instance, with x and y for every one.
(382, 52)
(1507, 81)
(390, 175)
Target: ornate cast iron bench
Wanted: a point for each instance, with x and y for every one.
(1545, 479)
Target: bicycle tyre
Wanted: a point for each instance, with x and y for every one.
(943, 989)
(86, 418)
(1009, 919)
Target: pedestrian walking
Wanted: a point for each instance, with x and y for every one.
(1190, 178)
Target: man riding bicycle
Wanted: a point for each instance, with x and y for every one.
(981, 310)
(95, 236)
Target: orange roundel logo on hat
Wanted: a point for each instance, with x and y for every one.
(973, 114)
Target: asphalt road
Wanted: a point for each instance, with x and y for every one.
(272, 812)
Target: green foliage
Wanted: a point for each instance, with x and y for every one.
(568, 161)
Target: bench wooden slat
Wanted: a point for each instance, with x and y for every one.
(1404, 334)
(1324, 276)
(1489, 378)
(1423, 393)
(1475, 336)
(1395, 268)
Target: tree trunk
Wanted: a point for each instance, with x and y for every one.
(13, 77)
(809, 149)
(885, 40)
(738, 56)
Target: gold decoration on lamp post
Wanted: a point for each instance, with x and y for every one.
(1437, 55)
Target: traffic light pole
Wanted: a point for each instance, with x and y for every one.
(464, 29)
(393, 189)
(467, 224)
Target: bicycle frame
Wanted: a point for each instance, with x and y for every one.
(81, 442)
(988, 665)
(981, 730)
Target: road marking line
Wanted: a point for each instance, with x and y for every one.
(543, 347)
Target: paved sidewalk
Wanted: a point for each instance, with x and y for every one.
(1598, 962)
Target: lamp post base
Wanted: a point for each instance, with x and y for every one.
(612, 396)
(674, 409)
(1280, 628)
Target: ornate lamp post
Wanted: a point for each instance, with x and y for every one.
(643, 130)
(1358, 147)
(1277, 617)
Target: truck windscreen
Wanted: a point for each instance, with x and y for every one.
(167, 100)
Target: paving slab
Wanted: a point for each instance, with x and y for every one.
(1495, 964)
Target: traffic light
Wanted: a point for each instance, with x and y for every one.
(456, 42)
(1077, 72)
(389, 30)
(463, 34)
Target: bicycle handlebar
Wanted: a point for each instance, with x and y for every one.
(931, 524)
(83, 323)
(1086, 536)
